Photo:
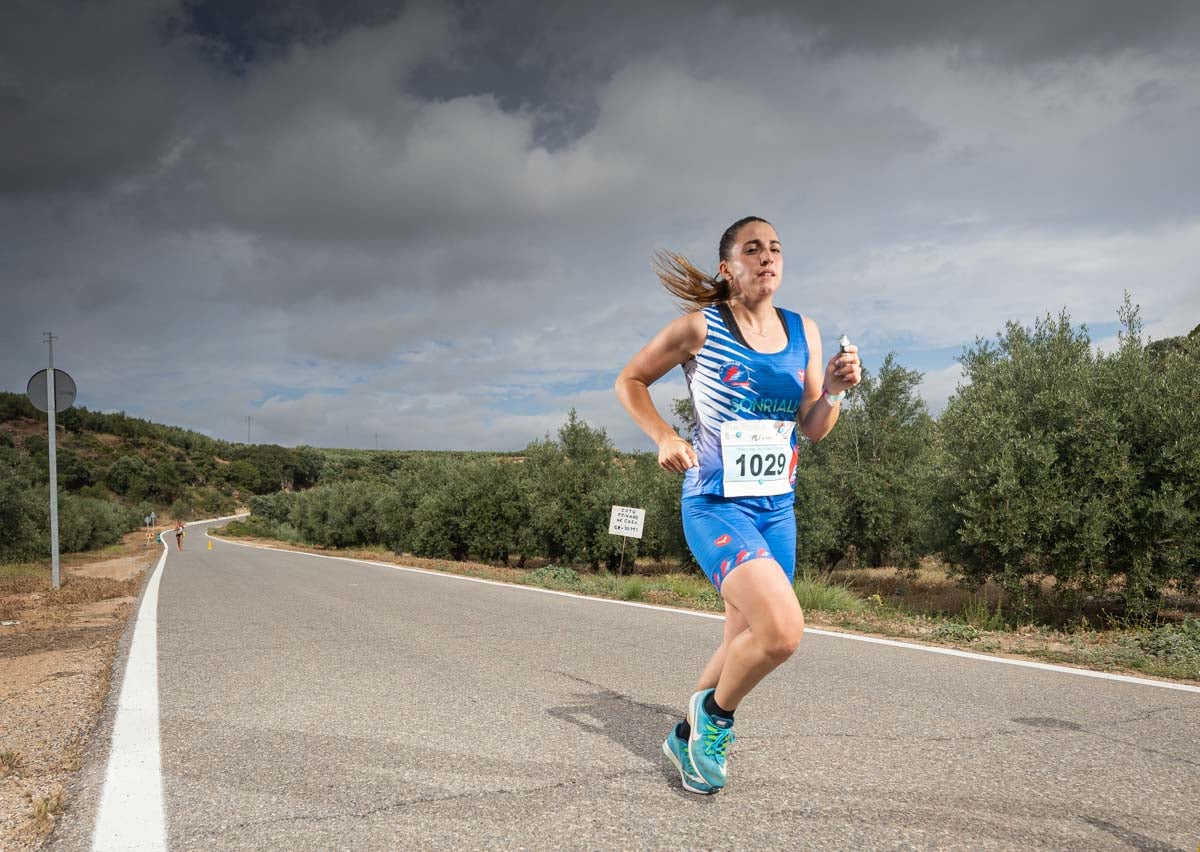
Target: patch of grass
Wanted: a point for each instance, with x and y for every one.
(601, 585)
(633, 589)
(955, 631)
(45, 808)
(687, 588)
(11, 761)
(1172, 648)
(23, 569)
(978, 613)
(817, 594)
(257, 527)
(556, 577)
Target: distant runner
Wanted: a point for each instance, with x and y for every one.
(747, 369)
(179, 534)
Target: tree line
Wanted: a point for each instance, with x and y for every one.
(1052, 463)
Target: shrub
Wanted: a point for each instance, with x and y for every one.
(556, 576)
(23, 538)
(1077, 465)
(272, 510)
(572, 483)
(814, 593)
(633, 589)
(955, 631)
(339, 515)
(865, 488)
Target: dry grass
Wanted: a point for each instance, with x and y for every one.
(46, 808)
(928, 590)
(73, 630)
(11, 762)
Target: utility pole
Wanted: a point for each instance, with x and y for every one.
(247, 428)
(52, 400)
(376, 442)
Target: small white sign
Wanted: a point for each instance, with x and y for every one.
(627, 521)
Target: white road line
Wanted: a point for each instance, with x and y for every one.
(950, 652)
(131, 815)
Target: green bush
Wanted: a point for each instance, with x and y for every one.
(632, 589)
(955, 631)
(128, 476)
(572, 486)
(272, 510)
(478, 509)
(866, 487)
(339, 515)
(556, 576)
(1175, 645)
(85, 523)
(23, 539)
(202, 502)
(1081, 466)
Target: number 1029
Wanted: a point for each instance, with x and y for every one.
(759, 464)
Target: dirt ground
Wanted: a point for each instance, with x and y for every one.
(55, 668)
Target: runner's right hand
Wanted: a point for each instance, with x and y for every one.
(676, 455)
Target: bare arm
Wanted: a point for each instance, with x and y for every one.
(675, 344)
(817, 417)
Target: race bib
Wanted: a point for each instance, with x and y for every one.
(755, 456)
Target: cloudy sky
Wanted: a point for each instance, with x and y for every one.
(433, 222)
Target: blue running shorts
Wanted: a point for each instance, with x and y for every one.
(723, 533)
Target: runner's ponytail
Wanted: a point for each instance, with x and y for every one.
(694, 288)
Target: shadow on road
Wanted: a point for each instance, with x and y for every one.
(637, 727)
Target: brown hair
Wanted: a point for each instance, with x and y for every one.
(694, 288)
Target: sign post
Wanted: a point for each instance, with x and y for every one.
(52, 391)
(626, 521)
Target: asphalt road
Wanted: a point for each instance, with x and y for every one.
(307, 703)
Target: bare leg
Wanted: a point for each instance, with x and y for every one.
(760, 592)
(735, 623)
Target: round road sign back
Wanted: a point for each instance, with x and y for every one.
(64, 391)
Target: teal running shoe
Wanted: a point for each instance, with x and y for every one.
(676, 750)
(710, 741)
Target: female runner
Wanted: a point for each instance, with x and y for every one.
(747, 368)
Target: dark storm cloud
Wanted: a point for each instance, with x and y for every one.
(1010, 33)
(89, 93)
(239, 34)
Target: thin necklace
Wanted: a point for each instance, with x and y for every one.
(752, 328)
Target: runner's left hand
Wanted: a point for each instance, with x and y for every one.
(844, 370)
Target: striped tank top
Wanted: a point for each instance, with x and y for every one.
(745, 404)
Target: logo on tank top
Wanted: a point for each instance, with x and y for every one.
(722, 540)
(735, 375)
(800, 375)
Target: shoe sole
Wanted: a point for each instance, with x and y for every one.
(683, 779)
(691, 717)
